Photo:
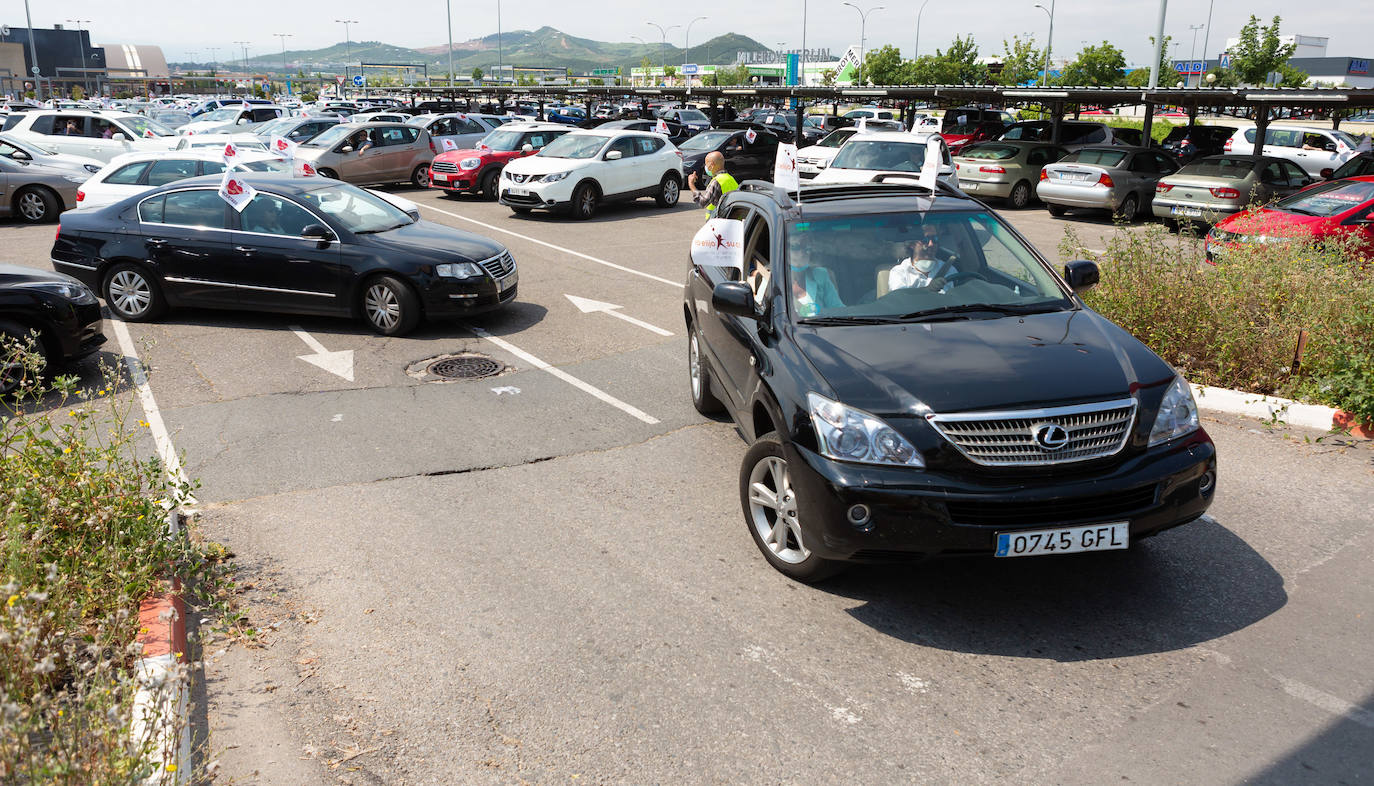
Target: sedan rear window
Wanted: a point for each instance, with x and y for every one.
(1229, 168)
(128, 174)
(987, 152)
(1107, 158)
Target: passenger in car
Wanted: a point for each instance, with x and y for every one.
(813, 286)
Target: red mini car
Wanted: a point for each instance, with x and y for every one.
(1337, 210)
(476, 171)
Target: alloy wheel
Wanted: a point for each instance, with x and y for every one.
(130, 293)
(32, 207)
(694, 364)
(382, 306)
(773, 510)
(670, 191)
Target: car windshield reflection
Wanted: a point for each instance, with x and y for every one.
(356, 210)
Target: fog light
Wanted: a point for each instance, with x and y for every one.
(859, 516)
(1207, 482)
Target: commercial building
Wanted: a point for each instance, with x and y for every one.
(65, 58)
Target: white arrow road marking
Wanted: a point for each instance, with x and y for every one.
(587, 306)
(337, 363)
(511, 389)
(590, 390)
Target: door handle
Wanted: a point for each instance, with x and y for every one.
(155, 242)
(245, 249)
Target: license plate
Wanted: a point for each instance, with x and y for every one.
(441, 178)
(969, 185)
(1180, 210)
(513, 191)
(1069, 540)
(1076, 177)
(503, 284)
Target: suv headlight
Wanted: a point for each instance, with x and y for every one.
(92, 168)
(458, 270)
(470, 163)
(554, 177)
(1177, 413)
(848, 434)
(78, 294)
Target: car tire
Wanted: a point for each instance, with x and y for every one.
(36, 205)
(1130, 208)
(1020, 195)
(770, 513)
(584, 202)
(419, 177)
(132, 293)
(329, 173)
(703, 400)
(669, 191)
(13, 374)
(489, 184)
(1056, 210)
(389, 306)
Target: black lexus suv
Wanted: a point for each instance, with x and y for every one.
(916, 380)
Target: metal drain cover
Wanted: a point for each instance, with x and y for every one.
(465, 367)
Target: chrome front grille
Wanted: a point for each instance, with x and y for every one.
(519, 178)
(499, 266)
(1018, 438)
(444, 166)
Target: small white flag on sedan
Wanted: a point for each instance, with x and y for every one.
(661, 127)
(930, 165)
(236, 192)
(302, 168)
(750, 136)
(232, 155)
(283, 147)
(785, 168)
(448, 144)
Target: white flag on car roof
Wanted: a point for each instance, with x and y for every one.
(785, 168)
(302, 168)
(233, 190)
(661, 127)
(930, 166)
(750, 136)
(1364, 146)
(283, 147)
(232, 155)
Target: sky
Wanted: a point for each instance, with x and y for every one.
(184, 26)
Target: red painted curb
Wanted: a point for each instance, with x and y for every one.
(1345, 420)
(162, 624)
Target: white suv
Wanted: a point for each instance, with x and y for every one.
(95, 134)
(1319, 151)
(866, 156)
(582, 169)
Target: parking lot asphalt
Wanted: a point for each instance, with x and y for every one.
(544, 576)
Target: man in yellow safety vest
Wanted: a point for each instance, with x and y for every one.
(721, 183)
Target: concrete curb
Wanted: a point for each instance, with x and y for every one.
(161, 715)
(1282, 410)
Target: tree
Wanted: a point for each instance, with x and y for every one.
(729, 75)
(956, 66)
(1103, 65)
(1021, 61)
(884, 67)
(828, 77)
(477, 74)
(1292, 76)
(1259, 52)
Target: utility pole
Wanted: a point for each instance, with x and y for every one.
(1192, 54)
(85, 82)
(1159, 45)
(286, 73)
(1049, 42)
(247, 76)
(348, 52)
(1205, 37)
(33, 53)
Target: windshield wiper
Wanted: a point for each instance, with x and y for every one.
(383, 229)
(848, 321)
(943, 311)
(1299, 211)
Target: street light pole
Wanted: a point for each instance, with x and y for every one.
(85, 81)
(687, 40)
(642, 42)
(448, 17)
(247, 77)
(1192, 53)
(863, 22)
(500, 67)
(916, 52)
(33, 53)
(1049, 42)
(1159, 46)
(1205, 37)
(286, 73)
(348, 52)
(663, 46)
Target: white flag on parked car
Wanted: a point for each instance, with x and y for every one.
(233, 190)
(720, 243)
(750, 136)
(785, 168)
(302, 168)
(1364, 145)
(283, 147)
(232, 155)
(448, 144)
(661, 127)
(930, 166)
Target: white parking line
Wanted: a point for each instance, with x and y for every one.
(1323, 700)
(152, 415)
(578, 254)
(591, 390)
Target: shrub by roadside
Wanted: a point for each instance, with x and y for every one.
(82, 542)
(1237, 324)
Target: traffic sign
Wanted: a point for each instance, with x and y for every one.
(339, 79)
(605, 71)
(1225, 59)
(690, 69)
(358, 80)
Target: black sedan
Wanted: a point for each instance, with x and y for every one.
(677, 132)
(61, 310)
(915, 380)
(302, 245)
(744, 159)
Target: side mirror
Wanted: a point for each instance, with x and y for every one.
(20, 155)
(1081, 275)
(1327, 173)
(527, 148)
(614, 155)
(734, 298)
(119, 136)
(318, 232)
(1329, 147)
(346, 149)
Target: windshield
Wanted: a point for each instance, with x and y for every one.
(1107, 158)
(988, 152)
(224, 115)
(886, 156)
(266, 165)
(142, 126)
(274, 127)
(573, 146)
(913, 266)
(837, 137)
(355, 209)
(708, 140)
(1034, 133)
(1219, 166)
(330, 136)
(501, 141)
(691, 116)
(1328, 199)
(1359, 165)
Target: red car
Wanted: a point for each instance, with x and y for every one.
(960, 136)
(476, 171)
(1337, 210)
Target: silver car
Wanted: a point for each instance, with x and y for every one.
(36, 193)
(458, 131)
(1006, 170)
(26, 150)
(1119, 179)
(369, 153)
(1210, 189)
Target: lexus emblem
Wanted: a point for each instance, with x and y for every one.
(1051, 436)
